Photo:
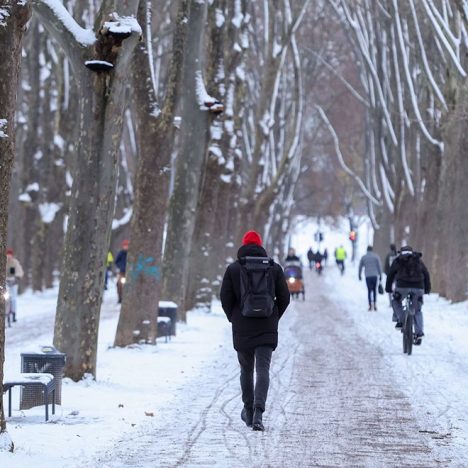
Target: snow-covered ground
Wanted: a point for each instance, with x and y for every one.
(132, 384)
(339, 376)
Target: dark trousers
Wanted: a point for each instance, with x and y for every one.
(371, 282)
(259, 358)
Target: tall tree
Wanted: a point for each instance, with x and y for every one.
(190, 160)
(155, 139)
(101, 62)
(13, 18)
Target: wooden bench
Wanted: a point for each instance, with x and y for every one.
(46, 381)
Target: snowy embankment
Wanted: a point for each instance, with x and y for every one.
(132, 384)
(435, 376)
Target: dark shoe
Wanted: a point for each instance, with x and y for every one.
(247, 416)
(370, 307)
(14, 316)
(418, 339)
(398, 325)
(257, 424)
(375, 306)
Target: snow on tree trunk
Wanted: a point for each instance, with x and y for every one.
(101, 106)
(155, 130)
(13, 19)
(189, 163)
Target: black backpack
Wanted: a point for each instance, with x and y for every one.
(412, 267)
(257, 287)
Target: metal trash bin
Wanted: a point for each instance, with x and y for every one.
(169, 309)
(48, 360)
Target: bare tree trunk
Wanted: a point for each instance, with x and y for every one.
(13, 19)
(155, 137)
(189, 164)
(102, 93)
(452, 267)
(204, 257)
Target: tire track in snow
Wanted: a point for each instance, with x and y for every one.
(333, 402)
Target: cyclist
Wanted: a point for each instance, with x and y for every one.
(411, 276)
(292, 257)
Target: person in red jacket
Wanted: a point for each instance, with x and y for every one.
(255, 337)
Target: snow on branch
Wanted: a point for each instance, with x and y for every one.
(409, 80)
(348, 171)
(54, 11)
(427, 69)
(205, 101)
(122, 26)
(443, 38)
(346, 83)
(364, 49)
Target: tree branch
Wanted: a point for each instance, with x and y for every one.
(64, 29)
(341, 160)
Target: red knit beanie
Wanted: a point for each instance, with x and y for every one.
(252, 237)
(9, 251)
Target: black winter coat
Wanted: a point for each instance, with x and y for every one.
(121, 260)
(409, 271)
(247, 332)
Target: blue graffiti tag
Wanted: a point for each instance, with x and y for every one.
(144, 267)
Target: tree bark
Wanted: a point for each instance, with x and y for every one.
(155, 138)
(189, 164)
(101, 106)
(13, 19)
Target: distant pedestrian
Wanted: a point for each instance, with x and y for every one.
(391, 256)
(325, 256)
(14, 272)
(340, 257)
(121, 264)
(370, 262)
(310, 257)
(254, 296)
(109, 265)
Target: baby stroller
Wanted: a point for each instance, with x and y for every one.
(293, 275)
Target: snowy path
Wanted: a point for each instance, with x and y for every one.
(335, 400)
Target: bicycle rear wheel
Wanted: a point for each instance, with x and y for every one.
(408, 335)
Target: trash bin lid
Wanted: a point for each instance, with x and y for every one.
(45, 350)
(167, 305)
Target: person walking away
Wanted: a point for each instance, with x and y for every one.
(109, 264)
(370, 262)
(340, 257)
(410, 276)
(254, 296)
(325, 256)
(292, 257)
(387, 264)
(121, 264)
(310, 257)
(14, 272)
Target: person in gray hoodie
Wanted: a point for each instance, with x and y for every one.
(370, 262)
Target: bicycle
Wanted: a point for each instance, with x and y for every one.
(409, 336)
